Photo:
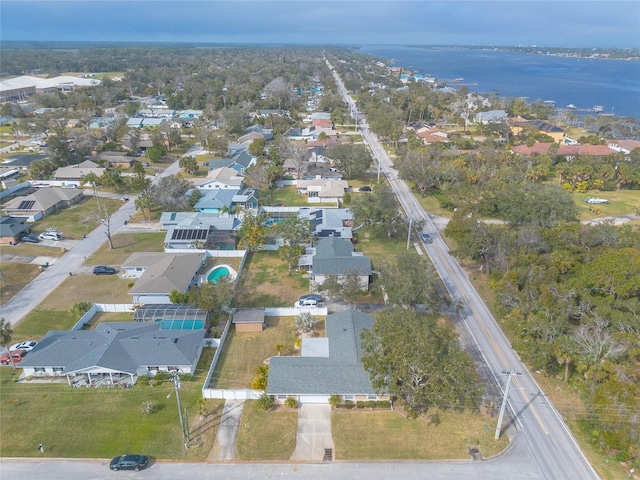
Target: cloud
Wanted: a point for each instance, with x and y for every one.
(498, 22)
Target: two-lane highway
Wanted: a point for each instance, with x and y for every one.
(551, 447)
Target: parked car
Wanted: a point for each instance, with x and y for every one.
(103, 270)
(307, 302)
(50, 236)
(16, 356)
(129, 462)
(29, 238)
(27, 345)
(425, 237)
(365, 189)
(311, 296)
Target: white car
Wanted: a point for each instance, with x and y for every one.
(26, 345)
(306, 302)
(50, 236)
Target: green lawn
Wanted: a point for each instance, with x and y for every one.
(54, 312)
(244, 352)
(266, 435)
(101, 423)
(274, 287)
(36, 249)
(624, 202)
(75, 221)
(124, 245)
(357, 435)
(290, 197)
(15, 276)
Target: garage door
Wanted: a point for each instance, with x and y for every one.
(314, 398)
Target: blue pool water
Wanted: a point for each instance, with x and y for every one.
(217, 273)
(181, 324)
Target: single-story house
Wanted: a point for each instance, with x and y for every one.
(114, 353)
(215, 201)
(160, 273)
(326, 366)
(323, 191)
(249, 319)
(75, 173)
(11, 228)
(116, 159)
(329, 222)
(335, 256)
(623, 146)
(199, 230)
(134, 122)
(22, 162)
(538, 148)
(43, 202)
(267, 133)
(221, 178)
(572, 151)
(320, 171)
(492, 116)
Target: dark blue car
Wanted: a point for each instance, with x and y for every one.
(129, 462)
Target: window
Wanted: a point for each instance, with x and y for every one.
(152, 369)
(57, 369)
(39, 370)
(173, 369)
(313, 194)
(348, 397)
(371, 397)
(282, 397)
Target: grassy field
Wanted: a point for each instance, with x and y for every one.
(624, 202)
(266, 435)
(125, 244)
(102, 423)
(16, 276)
(54, 312)
(444, 435)
(75, 221)
(273, 286)
(35, 249)
(244, 352)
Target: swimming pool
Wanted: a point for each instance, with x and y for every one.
(181, 324)
(220, 271)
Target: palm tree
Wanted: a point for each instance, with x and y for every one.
(5, 336)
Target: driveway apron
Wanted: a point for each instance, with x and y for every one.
(314, 432)
(225, 445)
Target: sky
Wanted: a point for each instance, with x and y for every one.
(558, 23)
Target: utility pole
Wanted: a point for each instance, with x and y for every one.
(177, 385)
(409, 234)
(509, 374)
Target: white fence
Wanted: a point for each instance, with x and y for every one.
(103, 307)
(210, 253)
(246, 394)
(293, 311)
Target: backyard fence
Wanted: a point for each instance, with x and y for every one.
(294, 311)
(103, 307)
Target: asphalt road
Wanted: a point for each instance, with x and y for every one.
(550, 445)
(37, 290)
(512, 465)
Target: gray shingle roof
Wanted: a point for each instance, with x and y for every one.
(165, 271)
(340, 373)
(335, 256)
(118, 346)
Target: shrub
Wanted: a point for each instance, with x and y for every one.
(131, 284)
(348, 404)
(291, 402)
(384, 404)
(370, 404)
(142, 380)
(214, 332)
(187, 377)
(359, 404)
(203, 407)
(334, 401)
(265, 402)
(81, 308)
(259, 382)
(162, 377)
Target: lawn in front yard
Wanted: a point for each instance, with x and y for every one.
(266, 435)
(16, 276)
(124, 245)
(289, 197)
(102, 423)
(373, 435)
(274, 287)
(244, 352)
(76, 220)
(54, 312)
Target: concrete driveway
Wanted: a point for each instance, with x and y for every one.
(314, 432)
(225, 445)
